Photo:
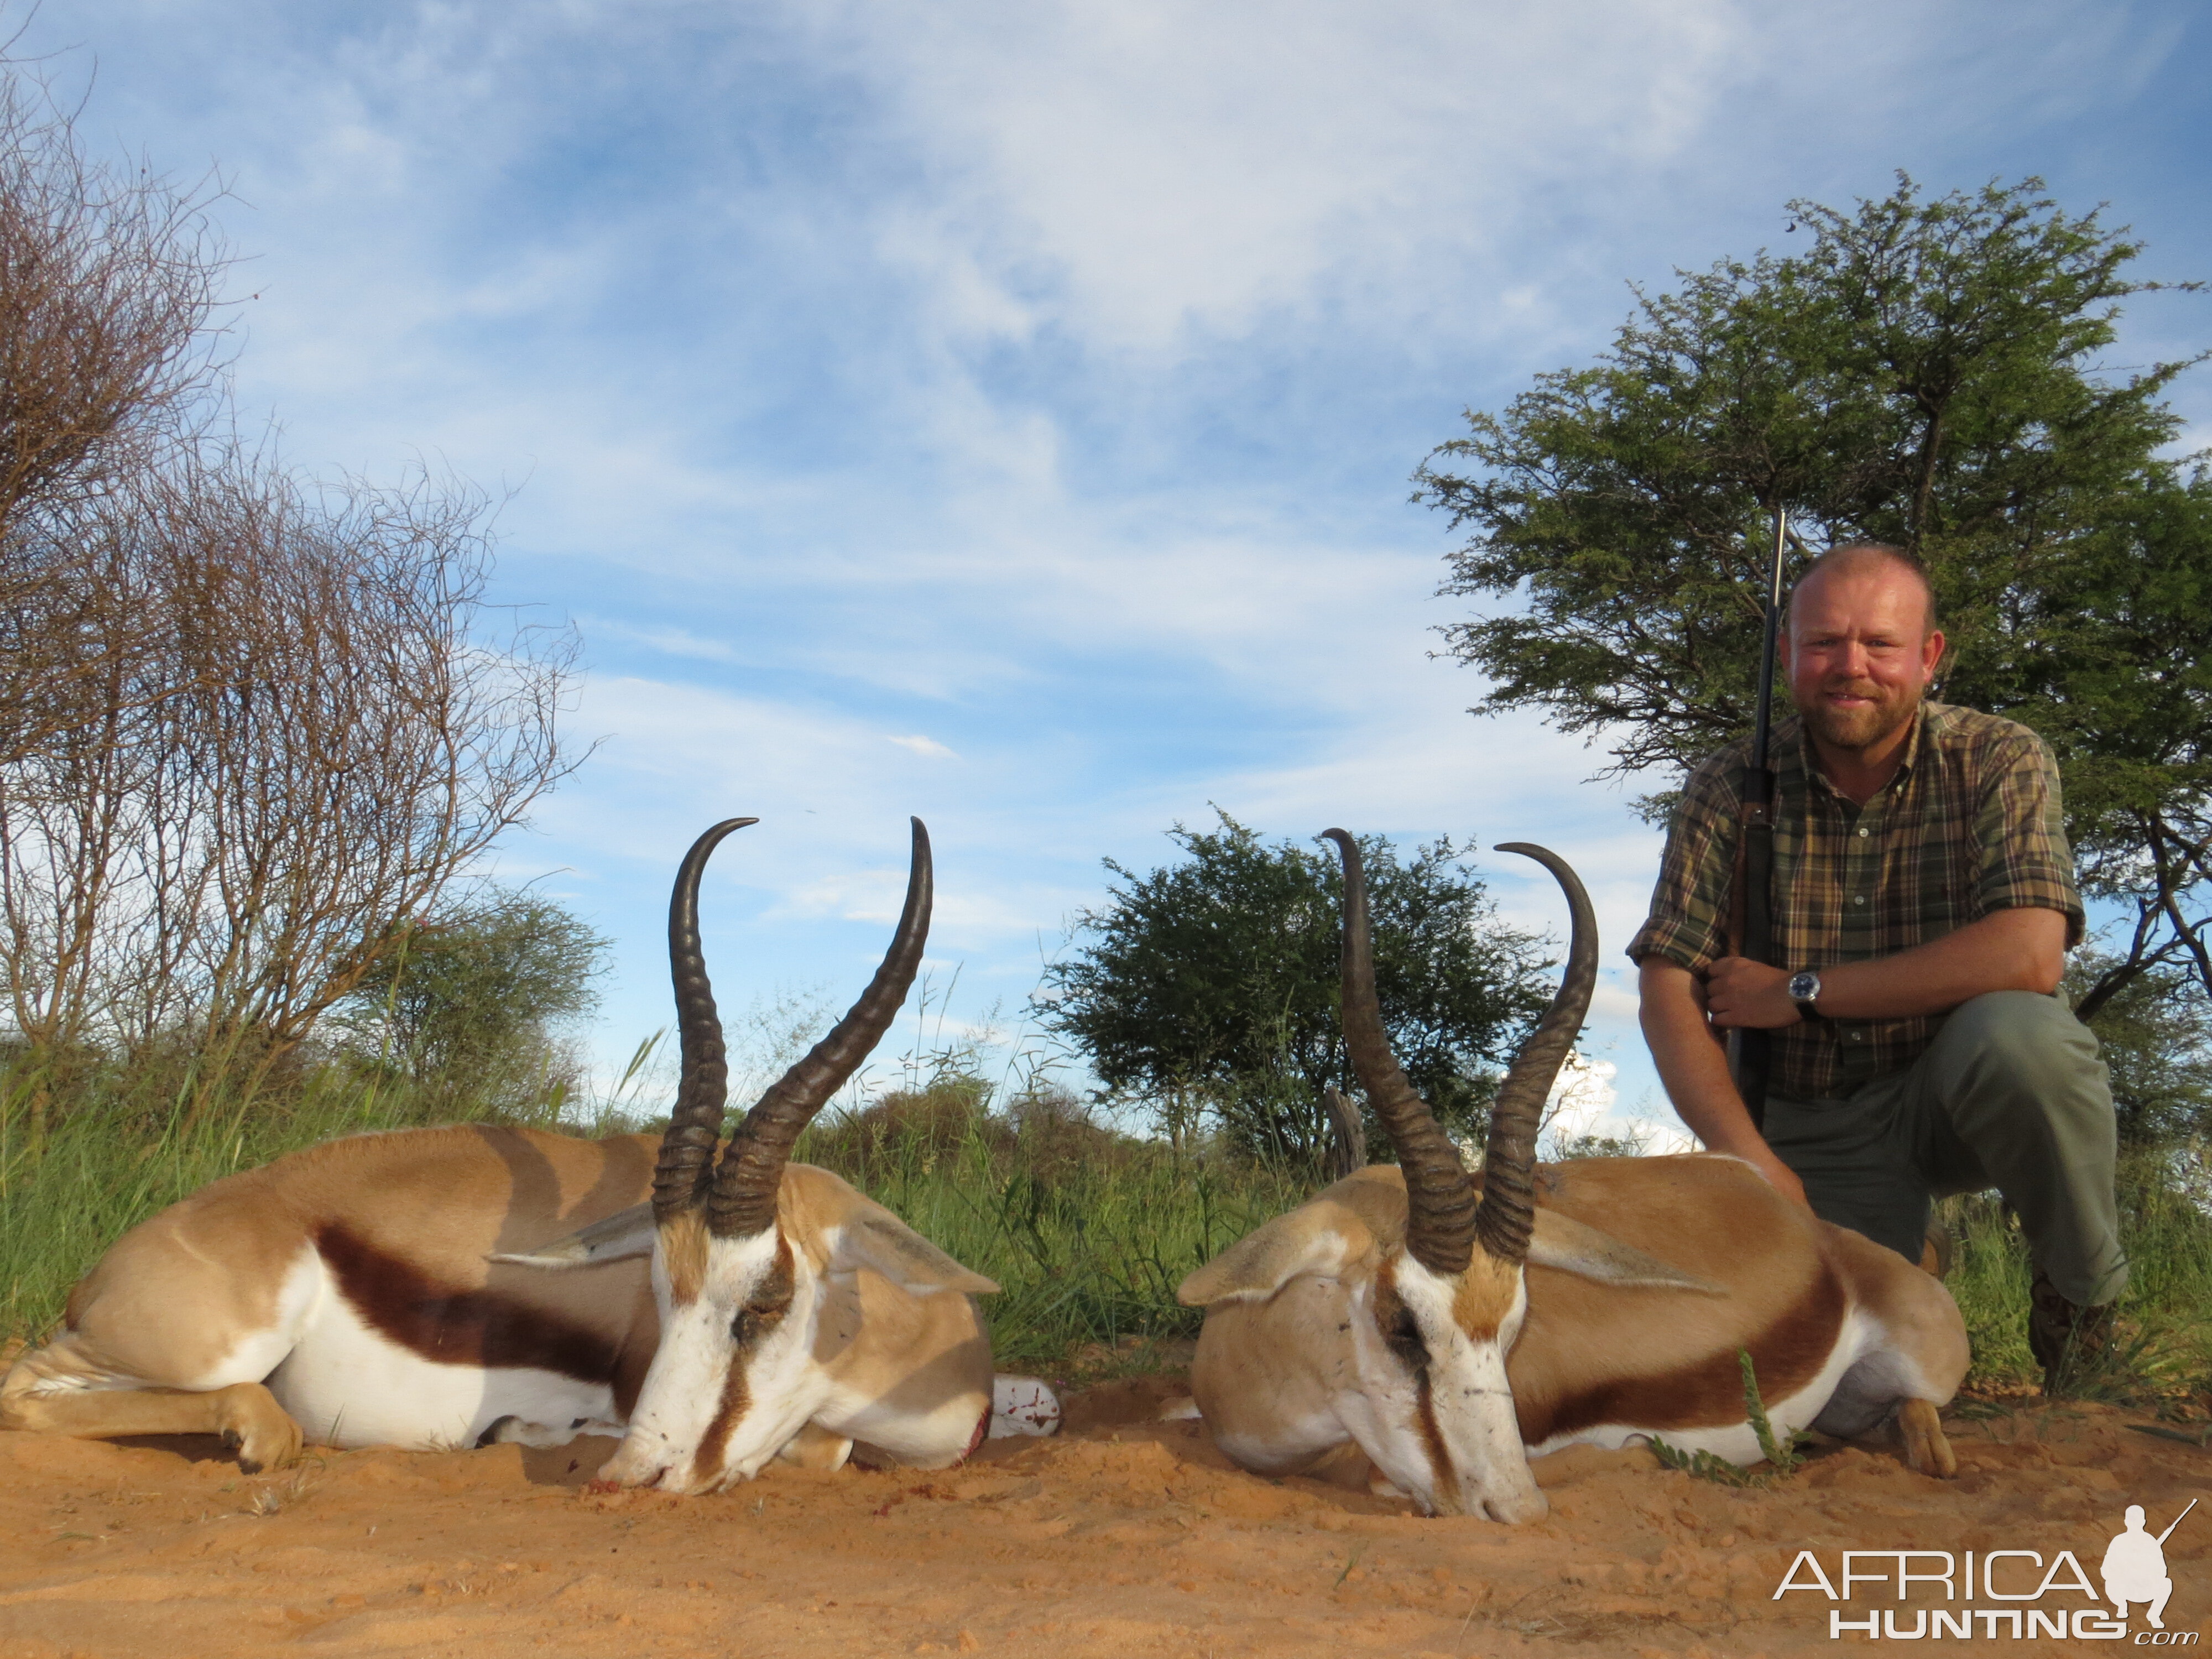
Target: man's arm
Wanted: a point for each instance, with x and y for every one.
(1695, 1071)
(2015, 950)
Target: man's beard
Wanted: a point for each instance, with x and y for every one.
(1886, 713)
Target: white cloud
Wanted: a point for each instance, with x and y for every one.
(1584, 1105)
(927, 747)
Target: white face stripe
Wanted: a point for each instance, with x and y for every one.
(1468, 1422)
(692, 1403)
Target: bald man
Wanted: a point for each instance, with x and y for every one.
(1924, 900)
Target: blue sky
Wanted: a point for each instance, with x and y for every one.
(1003, 412)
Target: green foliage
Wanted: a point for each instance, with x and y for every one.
(470, 1000)
(1928, 373)
(2156, 1034)
(1086, 1231)
(1215, 981)
(1783, 1460)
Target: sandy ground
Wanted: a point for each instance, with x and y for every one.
(1122, 1537)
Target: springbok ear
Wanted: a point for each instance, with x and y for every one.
(1568, 1245)
(624, 1234)
(871, 1236)
(1320, 1237)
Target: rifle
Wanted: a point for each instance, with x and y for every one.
(1751, 902)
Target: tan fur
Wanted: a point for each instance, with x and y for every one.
(1275, 1350)
(418, 1212)
(1485, 1295)
(813, 1447)
(244, 1415)
(684, 1256)
(1920, 1426)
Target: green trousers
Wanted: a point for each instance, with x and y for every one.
(2010, 1095)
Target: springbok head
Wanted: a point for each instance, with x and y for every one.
(739, 1276)
(1449, 1305)
(1445, 1294)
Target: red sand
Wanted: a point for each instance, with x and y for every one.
(1121, 1537)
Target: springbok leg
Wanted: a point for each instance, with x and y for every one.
(245, 1414)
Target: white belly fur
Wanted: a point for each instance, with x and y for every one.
(348, 1385)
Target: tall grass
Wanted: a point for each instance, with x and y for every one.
(2164, 1341)
(125, 1145)
(1086, 1231)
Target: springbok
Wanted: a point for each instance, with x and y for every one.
(450, 1287)
(1609, 1299)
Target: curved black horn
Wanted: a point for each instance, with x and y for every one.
(1440, 1198)
(1509, 1198)
(687, 1151)
(743, 1201)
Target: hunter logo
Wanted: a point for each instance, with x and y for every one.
(2135, 1567)
(2031, 1596)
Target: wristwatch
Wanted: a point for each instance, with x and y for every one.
(1805, 991)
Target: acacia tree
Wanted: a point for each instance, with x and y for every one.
(1926, 373)
(470, 997)
(1215, 982)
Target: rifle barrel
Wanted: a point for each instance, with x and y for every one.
(1749, 1051)
(1763, 721)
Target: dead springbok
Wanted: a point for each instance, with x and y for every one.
(444, 1287)
(1608, 1300)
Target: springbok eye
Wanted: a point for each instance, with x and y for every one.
(755, 1320)
(1400, 1331)
(770, 1300)
(1406, 1340)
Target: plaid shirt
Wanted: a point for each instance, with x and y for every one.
(1970, 825)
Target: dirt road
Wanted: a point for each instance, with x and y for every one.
(1122, 1537)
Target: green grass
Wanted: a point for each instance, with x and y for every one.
(1087, 1232)
(2163, 1346)
(122, 1149)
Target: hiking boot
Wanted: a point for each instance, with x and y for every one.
(2064, 1339)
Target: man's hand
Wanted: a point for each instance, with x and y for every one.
(1748, 995)
(1779, 1175)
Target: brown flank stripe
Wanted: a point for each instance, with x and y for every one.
(1709, 1392)
(451, 1326)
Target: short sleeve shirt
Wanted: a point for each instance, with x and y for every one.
(1970, 825)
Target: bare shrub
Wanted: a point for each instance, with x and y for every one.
(108, 280)
(319, 731)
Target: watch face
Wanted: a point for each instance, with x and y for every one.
(1803, 987)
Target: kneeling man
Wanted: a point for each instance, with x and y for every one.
(1923, 900)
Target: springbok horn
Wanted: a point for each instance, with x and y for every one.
(1440, 1198)
(743, 1202)
(1509, 1198)
(694, 1127)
